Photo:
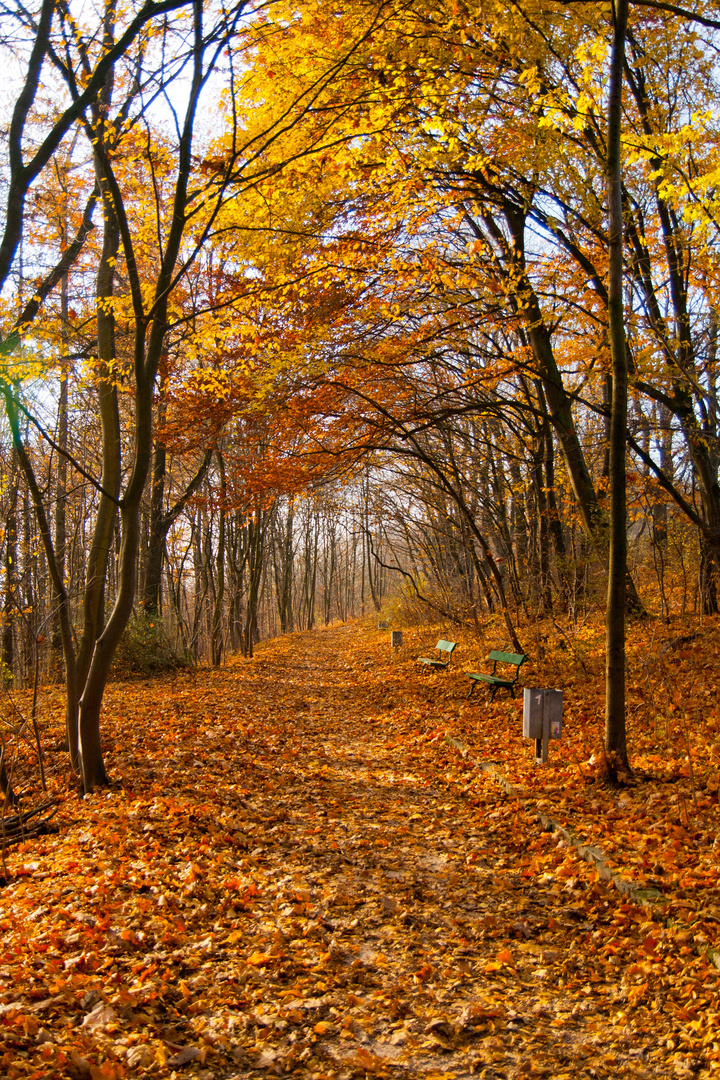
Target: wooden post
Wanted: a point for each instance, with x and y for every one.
(542, 745)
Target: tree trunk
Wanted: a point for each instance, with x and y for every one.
(56, 649)
(60, 597)
(156, 531)
(217, 639)
(708, 577)
(284, 577)
(615, 732)
(11, 582)
(107, 398)
(256, 545)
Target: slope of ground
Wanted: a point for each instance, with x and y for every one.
(302, 868)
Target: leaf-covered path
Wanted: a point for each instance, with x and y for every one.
(292, 878)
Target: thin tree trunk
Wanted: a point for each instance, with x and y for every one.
(56, 650)
(217, 642)
(553, 512)
(284, 577)
(615, 732)
(11, 568)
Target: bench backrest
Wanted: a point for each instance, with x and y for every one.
(508, 658)
(446, 646)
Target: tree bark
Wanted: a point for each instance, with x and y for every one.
(216, 644)
(615, 731)
(56, 651)
(11, 572)
(284, 574)
(107, 398)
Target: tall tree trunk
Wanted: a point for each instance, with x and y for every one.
(368, 546)
(543, 515)
(256, 545)
(329, 568)
(107, 398)
(11, 578)
(283, 565)
(60, 597)
(310, 573)
(202, 585)
(156, 533)
(217, 638)
(29, 595)
(553, 511)
(615, 732)
(56, 649)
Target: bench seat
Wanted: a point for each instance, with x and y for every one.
(441, 661)
(498, 682)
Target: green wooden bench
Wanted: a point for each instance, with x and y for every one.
(496, 682)
(444, 650)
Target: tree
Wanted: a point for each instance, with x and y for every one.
(615, 732)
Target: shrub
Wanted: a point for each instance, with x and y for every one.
(145, 649)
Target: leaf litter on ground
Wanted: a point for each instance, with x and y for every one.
(304, 867)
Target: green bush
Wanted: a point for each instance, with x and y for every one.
(145, 649)
(6, 676)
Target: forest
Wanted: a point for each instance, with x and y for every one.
(328, 331)
(307, 311)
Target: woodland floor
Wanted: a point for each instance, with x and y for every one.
(302, 867)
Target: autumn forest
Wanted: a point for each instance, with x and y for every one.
(318, 322)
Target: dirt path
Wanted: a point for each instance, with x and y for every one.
(433, 952)
(290, 881)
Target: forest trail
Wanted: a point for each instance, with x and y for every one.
(287, 881)
(452, 962)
